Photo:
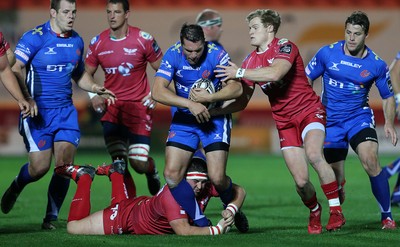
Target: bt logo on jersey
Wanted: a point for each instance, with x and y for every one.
(57, 68)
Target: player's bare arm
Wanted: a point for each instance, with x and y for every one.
(11, 84)
(389, 113)
(237, 202)
(235, 105)
(96, 100)
(182, 227)
(10, 57)
(87, 83)
(275, 72)
(164, 95)
(231, 90)
(19, 72)
(395, 77)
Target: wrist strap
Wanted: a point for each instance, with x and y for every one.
(233, 208)
(397, 98)
(91, 95)
(215, 230)
(240, 73)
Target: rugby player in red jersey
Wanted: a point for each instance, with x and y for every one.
(277, 67)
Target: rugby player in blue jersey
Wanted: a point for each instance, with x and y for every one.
(394, 167)
(348, 69)
(184, 63)
(51, 54)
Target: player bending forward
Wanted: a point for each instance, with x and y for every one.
(159, 214)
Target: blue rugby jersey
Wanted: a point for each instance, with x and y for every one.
(51, 61)
(347, 80)
(175, 67)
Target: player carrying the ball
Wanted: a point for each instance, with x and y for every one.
(184, 63)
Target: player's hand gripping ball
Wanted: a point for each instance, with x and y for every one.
(208, 86)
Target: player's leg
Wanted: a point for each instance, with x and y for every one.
(176, 162)
(66, 140)
(314, 136)
(216, 165)
(298, 167)
(79, 219)
(336, 157)
(367, 151)
(115, 172)
(138, 121)
(116, 140)
(141, 162)
(38, 142)
(64, 153)
(90, 225)
(37, 167)
(390, 170)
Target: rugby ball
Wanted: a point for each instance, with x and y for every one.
(208, 86)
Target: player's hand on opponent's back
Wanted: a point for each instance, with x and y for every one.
(105, 93)
(199, 111)
(226, 72)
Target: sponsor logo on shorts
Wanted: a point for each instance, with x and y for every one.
(115, 212)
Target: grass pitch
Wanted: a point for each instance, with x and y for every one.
(275, 212)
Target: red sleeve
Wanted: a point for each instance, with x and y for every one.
(171, 208)
(4, 45)
(152, 51)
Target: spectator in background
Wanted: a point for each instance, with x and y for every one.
(123, 52)
(51, 54)
(277, 67)
(349, 69)
(211, 22)
(7, 58)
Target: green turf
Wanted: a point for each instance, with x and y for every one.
(276, 215)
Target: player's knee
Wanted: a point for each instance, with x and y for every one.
(315, 157)
(372, 168)
(302, 184)
(117, 149)
(36, 172)
(172, 177)
(172, 183)
(139, 152)
(219, 181)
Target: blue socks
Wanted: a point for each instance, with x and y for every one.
(381, 191)
(56, 194)
(23, 177)
(226, 196)
(185, 197)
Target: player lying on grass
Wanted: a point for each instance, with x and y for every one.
(159, 214)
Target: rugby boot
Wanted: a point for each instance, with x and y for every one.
(75, 172)
(336, 220)
(241, 222)
(106, 170)
(10, 197)
(314, 222)
(153, 180)
(388, 224)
